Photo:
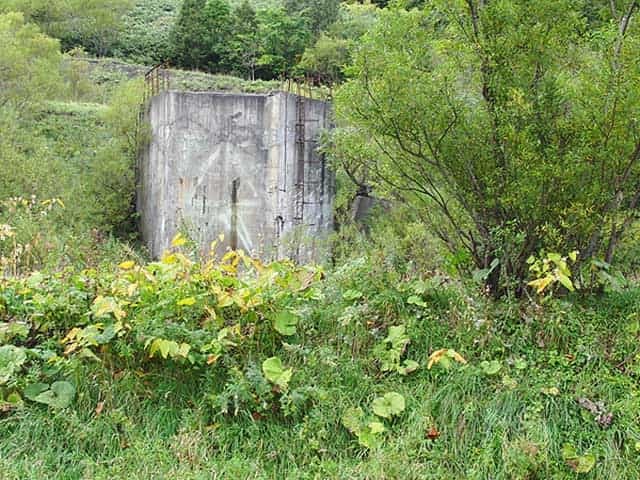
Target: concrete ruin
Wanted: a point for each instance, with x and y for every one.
(243, 165)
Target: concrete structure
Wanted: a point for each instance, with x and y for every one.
(243, 165)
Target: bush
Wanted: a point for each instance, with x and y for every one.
(474, 114)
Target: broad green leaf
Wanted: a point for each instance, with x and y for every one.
(520, 364)
(397, 337)
(408, 367)
(274, 372)
(285, 323)
(352, 419)
(32, 391)
(555, 257)
(11, 330)
(376, 427)
(586, 463)
(566, 282)
(14, 399)
(107, 334)
(11, 359)
(389, 405)
(490, 368)
(352, 295)
(578, 463)
(416, 300)
(368, 438)
(60, 395)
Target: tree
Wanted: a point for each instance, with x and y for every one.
(319, 14)
(201, 34)
(145, 35)
(283, 39)
(29, 64)
(511, 126)
(326, 59)
(244, 45)
(91, 24)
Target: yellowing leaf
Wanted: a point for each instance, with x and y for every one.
(541, 283)
(103, 306)
(225, 300)
(178, 241)
(128, 265)
(439, 355)
(169, 259)
(187, 302)
(168, 348)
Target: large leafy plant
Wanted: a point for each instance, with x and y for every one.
(217, 316)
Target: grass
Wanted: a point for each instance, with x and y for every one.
(109, 73)
(158, 423)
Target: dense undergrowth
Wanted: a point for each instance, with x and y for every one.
(167, 367)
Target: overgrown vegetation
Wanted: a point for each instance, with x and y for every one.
(392, 360)
(512, 127)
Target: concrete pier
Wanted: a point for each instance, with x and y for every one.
(243, 165)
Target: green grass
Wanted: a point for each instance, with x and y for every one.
(158, 423)
(108, 74)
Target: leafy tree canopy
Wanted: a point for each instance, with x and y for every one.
(29, 63)
(511, 126)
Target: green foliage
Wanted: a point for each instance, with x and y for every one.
(369, 430)
(11, 359)
(283, 39)
(57, 395)
(326, 60)
(319, 14)
(244, 45)
(113, 172)
(145, 36)
(92, 24)
(205, 315)
(55, 219)
(552, 269)
(389, 405)
(578, 463)
(200, 34)
(234, 368)
(275, 372)
(285, 323)
(475, 115)
(29, 67)
(390, 351)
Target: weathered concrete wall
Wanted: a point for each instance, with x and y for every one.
(246, 166)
